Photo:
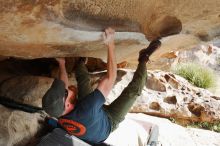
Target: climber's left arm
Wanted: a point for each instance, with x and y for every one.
(62, 71)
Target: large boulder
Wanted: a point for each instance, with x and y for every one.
(17, 127)
(37, 29)
(206, 54)
(26, 89)
(169, 95)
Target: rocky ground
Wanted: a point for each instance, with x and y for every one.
(172, 135)
(168, 95)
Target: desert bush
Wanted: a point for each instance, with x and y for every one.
(196, 74)
(206, 125)
(213, 126)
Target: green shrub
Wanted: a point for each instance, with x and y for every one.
(213, 126)
(205, 125)
(196, 74)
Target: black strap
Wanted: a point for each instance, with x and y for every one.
(19, 106)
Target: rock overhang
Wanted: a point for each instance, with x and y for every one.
(58, 28)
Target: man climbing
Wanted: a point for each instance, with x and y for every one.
(82, 112)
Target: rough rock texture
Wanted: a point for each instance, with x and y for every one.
(178, 99)
(36, 28)
(26, 89)
(206, 54)
(17, 128)
(57, 28)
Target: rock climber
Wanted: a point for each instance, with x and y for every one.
(81, 111)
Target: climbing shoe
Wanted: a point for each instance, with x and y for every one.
(144, 54)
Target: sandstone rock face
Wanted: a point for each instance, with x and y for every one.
(72, 28)
(155, 84)
(38, 29)
(206, 54)
(181, 100)
(155, 106)
(26, 89)
(17, 128)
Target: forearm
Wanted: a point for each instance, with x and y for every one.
(106, 84)
(111, 63)
(63, 74)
